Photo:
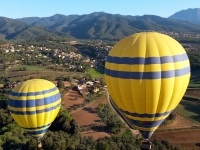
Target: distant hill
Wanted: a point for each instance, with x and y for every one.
(101, 25)
(97, 25)
(192, 15)
(29, 20)
(11, 29)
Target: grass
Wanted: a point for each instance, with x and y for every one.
(194, 80)
(189, 110)
(194, 85)
(127, 133)
(39, 68)
(48, 74)
(98, 73)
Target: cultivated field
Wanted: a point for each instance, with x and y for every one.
(86, 116)
(184, 131)
(189, 110)
(180, 132)
(194, 92)
(47, 73)
(189, 139)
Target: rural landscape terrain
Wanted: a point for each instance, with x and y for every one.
(70, 51)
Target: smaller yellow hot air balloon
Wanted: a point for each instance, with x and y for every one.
(34, 105)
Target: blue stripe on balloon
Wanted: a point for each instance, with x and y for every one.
(147, 75)
(33, 102)
(146, 115)
(146, 61)
(38, 132)
(33, 93)
(35, 111)
(146, 124)
(38, 127)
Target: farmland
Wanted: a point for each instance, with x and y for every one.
(184, 130)
(99, 73)
(186, 124)
(37, 72)
(91, 125)
(189, 110)
(85, 116)
(28, 67)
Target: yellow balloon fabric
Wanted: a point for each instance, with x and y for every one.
(147, 75)
(34, 105)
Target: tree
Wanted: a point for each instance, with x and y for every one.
(88, 76)
(102, 82)
(58, 140)
(5, 117)
(60, 84)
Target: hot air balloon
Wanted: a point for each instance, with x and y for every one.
(147, 75)
(34, 105)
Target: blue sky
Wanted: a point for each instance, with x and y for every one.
(45, 8)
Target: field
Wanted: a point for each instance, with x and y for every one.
(86, 117)
(190, 110)
(194, 93)
(98, 73)
(195, 80)
(188, 139)
(184, 131)
(28, 67)
(37, 72)
(180, 132)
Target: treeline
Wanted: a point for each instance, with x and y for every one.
(48, 42)
(194, 57)
(110, 119)
(64, 134)
(188, 40)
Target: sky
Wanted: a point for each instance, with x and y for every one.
(45, 8)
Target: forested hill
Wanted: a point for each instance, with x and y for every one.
(11, 29)
(100, 25)
(97, 25)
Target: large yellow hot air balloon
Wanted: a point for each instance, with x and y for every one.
(34, 105)
(147, 75)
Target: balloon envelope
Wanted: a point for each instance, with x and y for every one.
(147, 75)
(34, 105)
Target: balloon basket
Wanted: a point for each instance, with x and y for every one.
(146, 145)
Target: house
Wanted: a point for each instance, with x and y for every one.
(89, 83)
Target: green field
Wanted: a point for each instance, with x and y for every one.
(190, 110)
(195, 79)
(98, 73)
(39, 68)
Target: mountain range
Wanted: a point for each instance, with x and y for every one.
(11, 29)
(97, 25)
(191, 15)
